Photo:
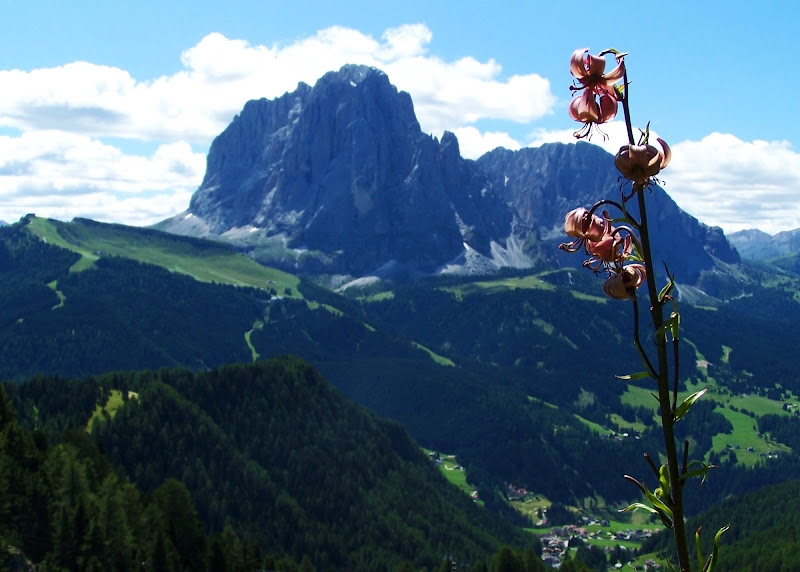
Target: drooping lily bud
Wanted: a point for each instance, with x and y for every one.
(640, 162)
(611, 247)
(623, 285)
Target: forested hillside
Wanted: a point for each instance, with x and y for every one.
(514, 374)
(274, 451)
(117, 314)
(65, 507)
(764, 534)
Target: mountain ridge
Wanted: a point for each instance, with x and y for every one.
(338, 178)
(324, 171)
(754, 244)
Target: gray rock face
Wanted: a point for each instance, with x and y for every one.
(542, 184)
(343, 168)
(339, 179)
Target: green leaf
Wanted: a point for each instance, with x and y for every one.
(715, 552)
(666, 290)
(622, 219)
(634, 257)
(657, 503)
(687, 403)
(699, 550)
(670, 324)
(663, 479)
(702, 471)
(638, 505)
(639, 375)
(676, 324)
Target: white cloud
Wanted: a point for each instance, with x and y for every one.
(219, 75)
(61, 166)
(737, 184)
(63, 175)
(473, 143)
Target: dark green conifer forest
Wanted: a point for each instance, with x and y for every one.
(278, 468)
(268, 452)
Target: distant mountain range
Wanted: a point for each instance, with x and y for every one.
(339, 179)
(754, 244)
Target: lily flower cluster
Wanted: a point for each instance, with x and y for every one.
(607, 249)
(624, 255)
(598, 104)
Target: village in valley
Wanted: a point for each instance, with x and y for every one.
(560, 541)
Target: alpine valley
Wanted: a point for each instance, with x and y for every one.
(250, 384)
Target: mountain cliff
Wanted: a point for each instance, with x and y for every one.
(338, 178)
(542, 184)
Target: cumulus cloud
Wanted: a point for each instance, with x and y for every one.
(737, 184)
(62, 175)
(474, 143)
(219, 75)
(62, 166)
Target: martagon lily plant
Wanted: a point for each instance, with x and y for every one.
(620, 250)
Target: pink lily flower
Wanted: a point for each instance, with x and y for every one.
(582, 227)
(611, 248)
(587, 109)
(578, 224)
(640, 162)
(598, 102)
(623, 285)
(588, 70)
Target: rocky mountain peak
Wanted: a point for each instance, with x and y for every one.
(754, 244)
(338, 178)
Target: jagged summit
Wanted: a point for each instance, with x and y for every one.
(338, 178)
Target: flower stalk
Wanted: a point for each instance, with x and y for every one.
(626, 256)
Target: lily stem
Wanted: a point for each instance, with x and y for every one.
(662, 377)
(637, 342)
(664, 393)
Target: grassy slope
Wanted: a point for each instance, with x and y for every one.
(745, 432)
(111, 406)
(203, 261)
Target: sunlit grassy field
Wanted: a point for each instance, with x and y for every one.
(203, 261)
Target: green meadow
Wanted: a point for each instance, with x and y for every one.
(203, 260)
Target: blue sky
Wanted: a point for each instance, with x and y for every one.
(107, 110)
